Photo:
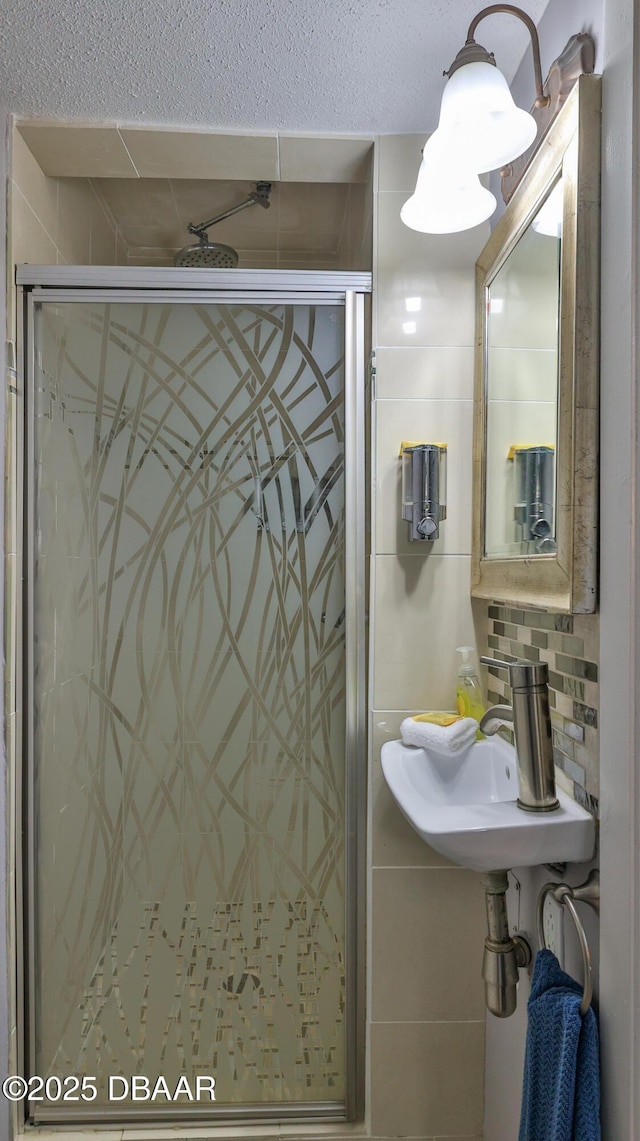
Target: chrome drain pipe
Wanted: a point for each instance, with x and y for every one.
(503, 954)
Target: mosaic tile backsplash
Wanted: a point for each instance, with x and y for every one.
(569, 645)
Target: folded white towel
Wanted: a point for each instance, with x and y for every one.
(448, 740)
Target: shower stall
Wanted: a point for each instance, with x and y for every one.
(192, 791)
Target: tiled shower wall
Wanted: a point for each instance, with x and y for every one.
(56, 221)
(426, 916)
(569, 645)
(70, 220)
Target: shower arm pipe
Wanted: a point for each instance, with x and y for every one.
(256, 197)
(542, 100)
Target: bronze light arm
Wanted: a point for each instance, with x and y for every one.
(475, 53)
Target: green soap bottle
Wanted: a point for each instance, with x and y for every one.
(469, 701)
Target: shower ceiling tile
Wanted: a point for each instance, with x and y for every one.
(78, 151)
(311, 159)
(195, 154)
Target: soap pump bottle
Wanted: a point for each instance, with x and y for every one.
(469, 702)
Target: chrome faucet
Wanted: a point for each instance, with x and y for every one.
(532, 728)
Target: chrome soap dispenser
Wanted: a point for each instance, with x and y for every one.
(424, 488)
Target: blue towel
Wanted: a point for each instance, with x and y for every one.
(561, 1090)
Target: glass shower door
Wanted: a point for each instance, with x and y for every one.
(187, 771)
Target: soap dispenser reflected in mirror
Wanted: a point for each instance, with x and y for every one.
(424, 489)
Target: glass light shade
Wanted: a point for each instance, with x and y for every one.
(448, 197)
(481, 120)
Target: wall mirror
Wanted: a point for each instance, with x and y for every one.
(535, 469)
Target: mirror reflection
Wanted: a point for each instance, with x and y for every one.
(521, 378)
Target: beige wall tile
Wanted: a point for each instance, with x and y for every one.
(40, 192)
(399, 158)
(385, 726)
(103, 236)
(428, 421)
(427, 954)
(72, 151)
(432, 372)
(437, 268)
(30, 241)
(195, 154)
(155, 233)
(75, 206)
(258, 259)
(394, 841)
(313, 159)
(121, 251)
(146, 259)
(523, 374)
(312, 208)
(427, 1079)
(314, 241)
(422, 611)
(307, 261)
(140, 202)
(356, 251)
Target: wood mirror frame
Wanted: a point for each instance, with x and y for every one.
(565, 581)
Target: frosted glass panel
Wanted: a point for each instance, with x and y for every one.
(190, 697)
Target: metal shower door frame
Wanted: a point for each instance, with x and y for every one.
(186, 286)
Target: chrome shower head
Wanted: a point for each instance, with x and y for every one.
(213, 255)
(207, 255)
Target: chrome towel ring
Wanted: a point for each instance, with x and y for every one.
(588, 892)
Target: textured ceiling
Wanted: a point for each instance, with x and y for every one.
(372, 66)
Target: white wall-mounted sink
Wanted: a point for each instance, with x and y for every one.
(465, 808)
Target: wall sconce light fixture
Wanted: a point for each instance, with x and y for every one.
(448, 195)
(480, 129)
